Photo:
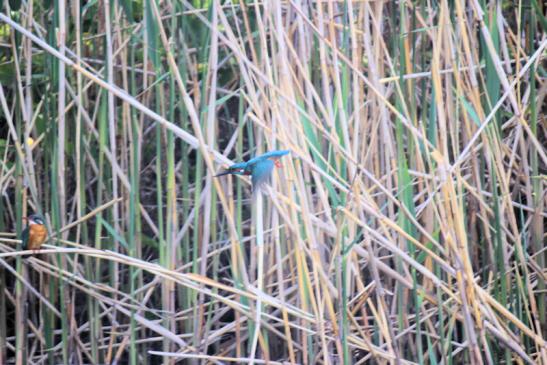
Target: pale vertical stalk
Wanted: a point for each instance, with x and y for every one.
(171, 213)
(111, 110)
(78, 141)
(80, 189)
(28, 72)
(260, 271)
(60, 217)
(145, 86)
(61, 116)
(210, 134)
(170, 234)
(134, 226)
(112, 137)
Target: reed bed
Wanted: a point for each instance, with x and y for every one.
(405, 227)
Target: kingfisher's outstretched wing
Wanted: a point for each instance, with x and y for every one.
(262, 171)
(268, 155)
(275, 154)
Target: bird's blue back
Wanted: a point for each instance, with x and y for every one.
(268, 155)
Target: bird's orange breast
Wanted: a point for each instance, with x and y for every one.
(37, 236)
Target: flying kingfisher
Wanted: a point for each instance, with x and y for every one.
(260, 168)
(35, 232)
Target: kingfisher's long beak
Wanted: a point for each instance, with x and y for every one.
(227, 172)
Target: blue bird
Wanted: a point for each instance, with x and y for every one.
(260, 168)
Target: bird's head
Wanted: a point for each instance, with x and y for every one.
(34, 219)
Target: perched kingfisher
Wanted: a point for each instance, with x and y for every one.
(35, 232)
(260, 168)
